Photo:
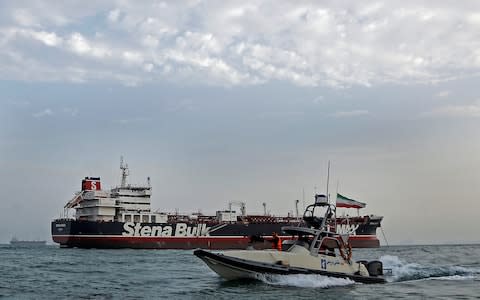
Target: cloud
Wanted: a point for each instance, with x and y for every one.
(44, 113)
(180, 105)
(19, 103)
(81, 46)
(351, 113)
(284, 115)
(114, 15)
(48, 38)
(318, 99)
(253, 42)
(455, 111)
(131, 120)
(443, 94)
(71, 111)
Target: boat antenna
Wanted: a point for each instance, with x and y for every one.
(296, 208)
(303, 198)
(328, 180)
(336, 195)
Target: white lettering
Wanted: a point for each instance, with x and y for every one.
(347, 229)
(156, 230)
(181, 229)
(167, 231)
(138, 226)
(146, 231)
(205, 230)
(191, 231)
(128, 227)
(93, 185)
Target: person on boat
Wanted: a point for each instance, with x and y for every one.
(276, 242)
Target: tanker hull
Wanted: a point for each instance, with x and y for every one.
(116, 235)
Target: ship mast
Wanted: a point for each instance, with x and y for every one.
(125, 172)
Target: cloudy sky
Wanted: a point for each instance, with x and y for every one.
(224, 101)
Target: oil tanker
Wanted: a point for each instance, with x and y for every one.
(122, 218)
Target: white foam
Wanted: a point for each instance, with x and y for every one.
(403, 271)
(456, 277)
(305, 281)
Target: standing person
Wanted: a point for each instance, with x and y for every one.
(276, 242)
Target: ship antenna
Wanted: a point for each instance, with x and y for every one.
(125, 173)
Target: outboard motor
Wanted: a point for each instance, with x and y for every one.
(375, 268)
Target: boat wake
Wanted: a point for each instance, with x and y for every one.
(305, 281)
(403, 271)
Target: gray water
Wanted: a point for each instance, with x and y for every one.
(447, 271)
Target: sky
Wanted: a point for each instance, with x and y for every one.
(221, 101)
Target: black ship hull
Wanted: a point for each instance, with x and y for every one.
(111, 235)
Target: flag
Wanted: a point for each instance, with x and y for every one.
(345, 202)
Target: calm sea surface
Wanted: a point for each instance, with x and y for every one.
(448, 272)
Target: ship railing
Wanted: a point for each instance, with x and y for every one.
(131, 186)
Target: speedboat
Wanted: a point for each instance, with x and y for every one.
(312, 250)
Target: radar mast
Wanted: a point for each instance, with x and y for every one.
(125, 172)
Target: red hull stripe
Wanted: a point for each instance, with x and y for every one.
(189, 237)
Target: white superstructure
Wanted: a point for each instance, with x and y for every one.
(124, 203)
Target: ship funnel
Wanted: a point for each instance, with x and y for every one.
(91, 184)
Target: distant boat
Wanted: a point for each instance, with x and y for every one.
(23, 243)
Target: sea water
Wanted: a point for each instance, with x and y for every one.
(444, 271)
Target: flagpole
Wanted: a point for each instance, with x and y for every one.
(336, 195)
(338, 183)
(328, 180)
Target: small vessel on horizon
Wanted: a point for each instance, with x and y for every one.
(27, 243)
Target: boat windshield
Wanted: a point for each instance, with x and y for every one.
(303, 241)
(328, 246)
